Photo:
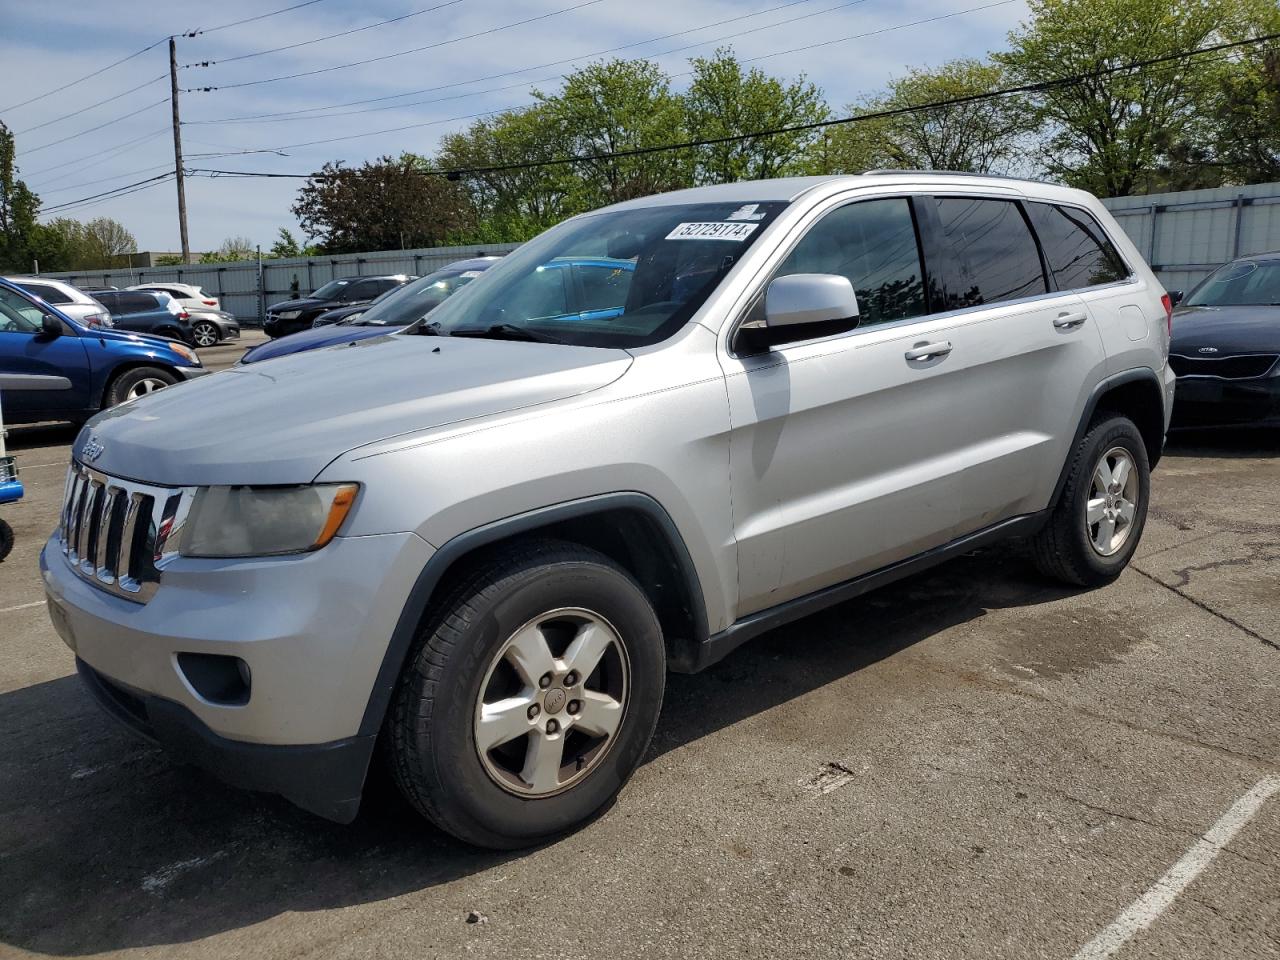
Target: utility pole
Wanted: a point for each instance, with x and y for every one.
(177, 152)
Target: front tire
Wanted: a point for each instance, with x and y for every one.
(205, 334)
(138, 382)
(529, 697)
(1095, 527)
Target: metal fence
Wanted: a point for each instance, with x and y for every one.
(1185, 235)
(1182, 235)
(246, 289)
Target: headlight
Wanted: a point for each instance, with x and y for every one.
(265, 521)
(185, 352)
(290, 315)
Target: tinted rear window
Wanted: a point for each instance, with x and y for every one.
(1078, 251)
(993, 249)
(46, 293)
(136, 302)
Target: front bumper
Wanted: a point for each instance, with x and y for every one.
(312, 630)
(1210, 402)
(190, 373)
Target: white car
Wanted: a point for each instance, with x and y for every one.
(72, 301)
(189, 295)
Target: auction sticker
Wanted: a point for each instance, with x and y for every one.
(712, 231)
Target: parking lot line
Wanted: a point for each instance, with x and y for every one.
(1148, 908)
(22, 606)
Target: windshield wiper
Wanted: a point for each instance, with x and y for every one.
(505, 331)
(426, 329)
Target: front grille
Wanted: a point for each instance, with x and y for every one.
(118, 534)
(1224, 368)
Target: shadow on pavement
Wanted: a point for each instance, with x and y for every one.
(105, 845)
(1226, 442)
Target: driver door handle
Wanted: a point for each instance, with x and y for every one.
(1069, 321)
(929, 351)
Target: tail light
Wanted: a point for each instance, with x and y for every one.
(1166, 301)
(210, 303)
(184, 315)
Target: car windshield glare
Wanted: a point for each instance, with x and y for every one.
(619, 278)
(416, 299)
(330, 289)
(1242, 283)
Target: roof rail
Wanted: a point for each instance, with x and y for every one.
(947, 173)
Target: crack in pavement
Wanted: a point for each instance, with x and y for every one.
(1225, 618)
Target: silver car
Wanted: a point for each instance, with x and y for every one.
(487, 538)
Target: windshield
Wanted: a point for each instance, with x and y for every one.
(622, 278)
(330, 289)
(1238, 284)
(414, 300)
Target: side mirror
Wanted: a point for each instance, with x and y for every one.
(802, 306)
(1176, 297)
(50, 325)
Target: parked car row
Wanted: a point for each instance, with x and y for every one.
(290, 316)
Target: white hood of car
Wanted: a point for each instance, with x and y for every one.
(284, 420)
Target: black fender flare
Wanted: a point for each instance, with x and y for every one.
(424, 587)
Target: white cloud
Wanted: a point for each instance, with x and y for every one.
(44, 46)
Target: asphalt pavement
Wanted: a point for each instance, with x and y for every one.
(973, 763)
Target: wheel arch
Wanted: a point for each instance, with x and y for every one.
(1135, 394)
(124, 366)
(630, 528)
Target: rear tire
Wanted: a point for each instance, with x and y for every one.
(138, 382)
(493, 733)
(6, 540)
(1095, 527)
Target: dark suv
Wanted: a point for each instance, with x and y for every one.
(143, 312)
(290, 316)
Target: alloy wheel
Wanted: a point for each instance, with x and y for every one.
(552, 702)
(206, 334)
(145, 386)
(1113, 501)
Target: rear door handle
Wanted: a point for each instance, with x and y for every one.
(929, 351)
(1069, 321)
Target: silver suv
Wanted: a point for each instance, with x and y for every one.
(643, 438)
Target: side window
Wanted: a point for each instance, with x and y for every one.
(109, 301)
(604, 287)
(17, 314)
(360, 290)
(1078, 251)
(382, 286)
(873, 243)
(993, 250)
(136, 302)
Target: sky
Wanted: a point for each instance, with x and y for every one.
(65, 159)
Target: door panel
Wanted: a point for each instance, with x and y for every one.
(41, 374)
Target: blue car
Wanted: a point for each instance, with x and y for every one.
(52, 368)
(576, 287)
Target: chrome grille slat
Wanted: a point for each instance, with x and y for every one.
(118, 534)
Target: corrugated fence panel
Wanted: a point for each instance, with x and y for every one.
(237, 284)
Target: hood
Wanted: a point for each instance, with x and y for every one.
(1228, 330)
(150, 341)
(283, 421)
(302, 303)
(311, 340)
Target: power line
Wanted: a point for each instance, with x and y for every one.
(115, 196)
(87, 76)
(118, 176)
(76, 113)
(261, 16)
(109, 193)
(289, 115)
(401, 53)
(114, 151)
(81, 133)
(331, 36)
(457, 173)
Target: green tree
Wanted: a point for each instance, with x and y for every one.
(986, 136)
(622, 105)
(512, 200)
(286, 245)
(231, 250)
(1110, 134)
(723, 100)
(169, 260)
(1247, 113)
(385, 204)
(106, 243)
(19, 207)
